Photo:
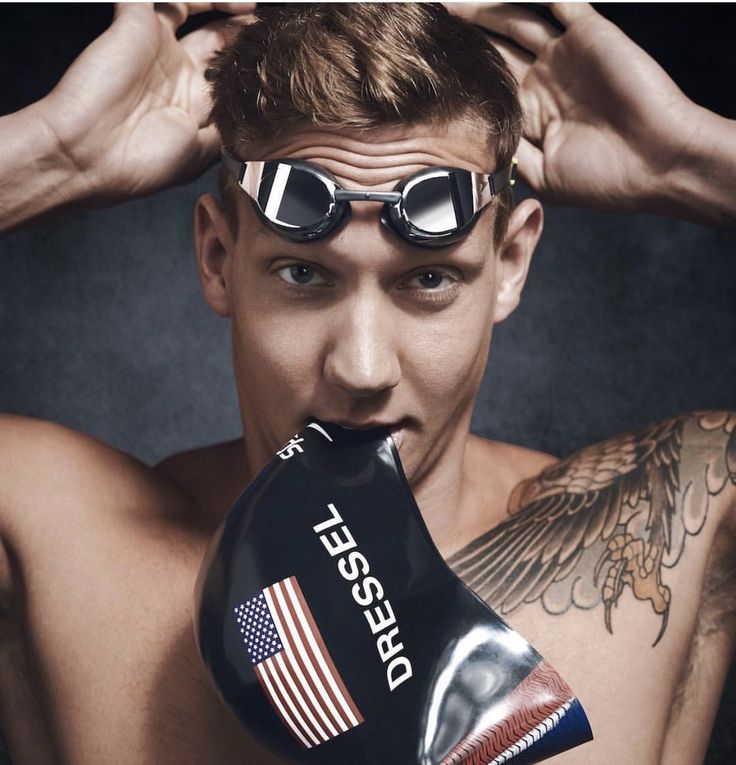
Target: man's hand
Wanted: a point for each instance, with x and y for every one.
(604, 125)
(130, 113)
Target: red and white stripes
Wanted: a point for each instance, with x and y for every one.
(301, 681)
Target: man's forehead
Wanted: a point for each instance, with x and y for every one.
(385, 155)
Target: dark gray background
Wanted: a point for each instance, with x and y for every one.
(625, 319)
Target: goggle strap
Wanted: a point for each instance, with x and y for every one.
(498, 181)
(234, 166)
(247, 174)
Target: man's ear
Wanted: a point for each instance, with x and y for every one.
(213, 242)
(515, 254)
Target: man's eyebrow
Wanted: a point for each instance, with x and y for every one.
(450, 256)
(404, 258)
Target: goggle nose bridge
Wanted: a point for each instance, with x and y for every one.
(394, 214)
(387, 197)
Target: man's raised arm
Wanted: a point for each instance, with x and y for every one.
(129, 117)
(605, 126)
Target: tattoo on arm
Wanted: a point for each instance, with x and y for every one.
(606, 520)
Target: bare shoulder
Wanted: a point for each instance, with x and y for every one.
(515, 463)
(54, 477)
(690, 455)
(39, 458)
(211, 475)
(616, 517)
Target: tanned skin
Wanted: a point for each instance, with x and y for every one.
(616, 563)
(98, 657)
(606, 522)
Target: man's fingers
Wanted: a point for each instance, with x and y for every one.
(518, 60)
(132, 10)
(175, 14)
(203, 42)
(567, 13)
(232, 8)
(237, 9)
(200, 46)
(467, 11)
(523, 27)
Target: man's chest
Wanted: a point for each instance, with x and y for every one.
(114, 673)
(129, 692)
(107, 668)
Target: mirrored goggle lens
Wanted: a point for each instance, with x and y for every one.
(440, 204)
(292, 197)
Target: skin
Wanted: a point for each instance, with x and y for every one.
(99, 553)
(383, 331)
(672, 156)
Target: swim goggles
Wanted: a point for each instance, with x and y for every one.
(302, 202)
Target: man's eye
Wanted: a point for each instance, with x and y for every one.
(300, 274)
(432, 279)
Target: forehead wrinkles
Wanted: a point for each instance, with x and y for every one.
(387, 174)
(376, 162)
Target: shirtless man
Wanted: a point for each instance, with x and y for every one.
(611, 562)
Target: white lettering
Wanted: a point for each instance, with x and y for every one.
(365, 599)
(386, 647)
(291, 448)
(330, 522)
(338, 546)
(382, 621)
(395, 681)
(366, 592)
(348, 567)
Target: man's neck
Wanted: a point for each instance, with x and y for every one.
(455, 495)
(463, 494)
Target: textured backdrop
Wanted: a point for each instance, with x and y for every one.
(624, 319)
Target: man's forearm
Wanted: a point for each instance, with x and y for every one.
(36, 174)
(703, 186)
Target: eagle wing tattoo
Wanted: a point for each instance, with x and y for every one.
(605, 519)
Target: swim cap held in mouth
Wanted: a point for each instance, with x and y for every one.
(334, 629)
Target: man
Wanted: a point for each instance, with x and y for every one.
(604, 554)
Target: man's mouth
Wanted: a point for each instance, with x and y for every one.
(396, 429)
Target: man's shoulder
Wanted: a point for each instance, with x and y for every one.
(616, 556)
(211, 476)
(675, 449)
(45, 464)
(511, 460)
(682, 455)
(60, 486)
(641, 495)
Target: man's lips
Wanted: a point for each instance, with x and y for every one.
(395, 428)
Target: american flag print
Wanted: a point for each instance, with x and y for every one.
(293, 665)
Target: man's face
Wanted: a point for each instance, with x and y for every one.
(362, 328)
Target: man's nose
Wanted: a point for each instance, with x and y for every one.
(361, 356)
